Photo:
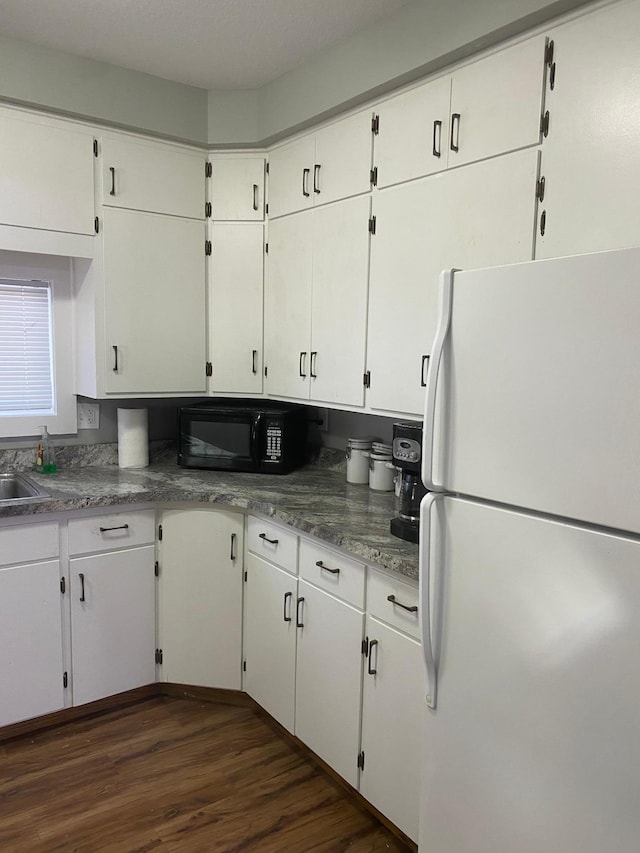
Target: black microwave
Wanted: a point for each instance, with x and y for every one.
(262, 436)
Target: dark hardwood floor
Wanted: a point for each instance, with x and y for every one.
(174, 775)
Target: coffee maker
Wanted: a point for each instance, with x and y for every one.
(407, 456)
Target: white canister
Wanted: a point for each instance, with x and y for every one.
(382, 471)
(358, 452)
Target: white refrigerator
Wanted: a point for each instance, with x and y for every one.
(530, 560)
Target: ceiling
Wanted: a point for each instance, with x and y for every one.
(213, 44)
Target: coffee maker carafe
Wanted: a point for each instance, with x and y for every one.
(407, 455)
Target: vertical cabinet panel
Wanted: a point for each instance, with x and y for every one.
(113, 628)
(235, 306)
(142, 176)
(392, 708)
(31, 663)
(339, 302)
(201, 598)
(413, 135)
(154, 279)
(590, 156)
(464, 218)
(328, 678)
(288, 306)
(46, 175)
(237, 188)
(342, 159)
(496, 103)
(290, 180)
(270, 639)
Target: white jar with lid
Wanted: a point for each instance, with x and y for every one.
(382, 471)
(358, 453)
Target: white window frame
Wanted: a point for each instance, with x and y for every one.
(57, 271)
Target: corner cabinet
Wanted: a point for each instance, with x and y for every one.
(200, 585)
(140, 305)
(31, 633)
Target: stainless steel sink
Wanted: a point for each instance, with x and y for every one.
(19, 488)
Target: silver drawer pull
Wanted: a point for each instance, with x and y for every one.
(406, 607)
(270, 541)
(321, 565)
(119, 527)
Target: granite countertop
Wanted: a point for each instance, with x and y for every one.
(313, 500)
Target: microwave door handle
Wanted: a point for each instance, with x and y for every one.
(255, 432)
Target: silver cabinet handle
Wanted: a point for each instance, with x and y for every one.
(437, 138)
(254, 355)
(287, 598)
(312, 365)
(81, 576)
(322, 566)
(409, 608)
(302, 366)
(455, 132)
(112, 191)
(370, 669)
(305, 182)
(232, 553)
(316, 178)
(115, 359)
(255, 196)
(299, 607)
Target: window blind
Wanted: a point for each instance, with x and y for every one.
(26, 353)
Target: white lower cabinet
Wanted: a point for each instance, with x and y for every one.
(200, 571)
(31, 654)
(270, 638)
(112, 604)
(328, 675)
(392, 703)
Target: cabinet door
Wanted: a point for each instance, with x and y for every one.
(31, 663)
(46, 175)
(290, 177)
(201, 598)
(342, 162)
(392, 707)
(152, 177)
(493, 207)
(235, 307)
(496, 103)
(339, 302)
(288, 306)
(329, 678)
(590, 157)
(237, 188)
(154, 280)
(413, 133)
(112, 623)
(270, 639)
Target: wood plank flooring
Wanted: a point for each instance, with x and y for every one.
(179, 776)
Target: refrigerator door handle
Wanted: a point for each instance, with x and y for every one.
(427, 545)
(444, 324)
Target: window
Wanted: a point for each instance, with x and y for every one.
(26, 352)
(36, 345)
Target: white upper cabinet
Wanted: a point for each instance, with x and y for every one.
(331, 164)
(496, 103)
(412, 138)
(151, 176)
(235, 287)
(590, 156)
(237, 188)
(464, 218)
(154, 303)
(46, 174)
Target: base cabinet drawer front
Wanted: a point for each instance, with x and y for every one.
(28, 543)
(200, 589)
(392, 708)
(270, 639)
(112, 622)
(111, 531)
(274, 543)
(333, 572)
(328, 678)
(394, 601)
(31, 659)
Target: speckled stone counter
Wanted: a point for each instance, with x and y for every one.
(312, 500)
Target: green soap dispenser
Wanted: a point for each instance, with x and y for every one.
(47, 453)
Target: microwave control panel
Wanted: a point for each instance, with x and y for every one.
(274, 440)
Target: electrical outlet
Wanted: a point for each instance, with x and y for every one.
(88, 415)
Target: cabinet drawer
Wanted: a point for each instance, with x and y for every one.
(274, 543)
(28, 543)
(332, 572)
(110, 531)
(379, 588)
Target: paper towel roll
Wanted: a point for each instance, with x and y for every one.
(133, 438)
